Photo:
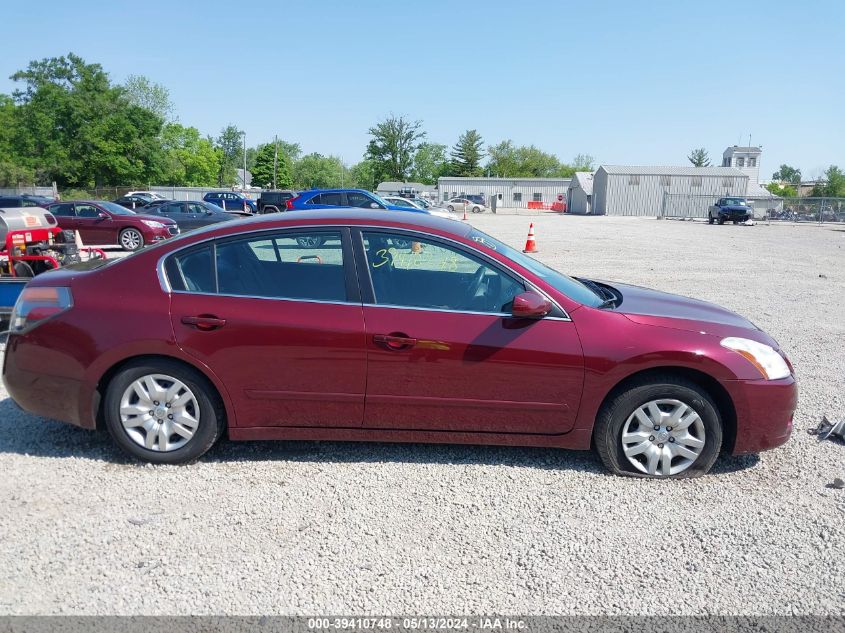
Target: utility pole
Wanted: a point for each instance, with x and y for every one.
(244, 180)
(275, 160)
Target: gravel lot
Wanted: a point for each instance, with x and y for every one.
(305, 528)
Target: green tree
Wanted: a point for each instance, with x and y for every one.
(785, 173)
(271, 168)
(392, 146)
(430, 163)
(363, 175)
(73, 126)
(149, 95)
(315, 171)
(583, 162)
(232, 150)
(466, 155)
(13, 175)
(699, 157)
(833, 185)
(508, 160)
(784, 191)
(189, 159)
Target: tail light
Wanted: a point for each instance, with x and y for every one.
(290, 201)
(36, 305)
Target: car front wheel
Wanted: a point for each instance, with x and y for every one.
(163, 412)
(660, 427)
(710, 219)
(131, 239)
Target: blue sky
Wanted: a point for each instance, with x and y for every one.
(627, 82)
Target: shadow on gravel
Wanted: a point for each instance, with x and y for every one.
(25, 434)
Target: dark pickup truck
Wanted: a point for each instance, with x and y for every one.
(735, 210)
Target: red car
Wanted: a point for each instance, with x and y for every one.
(101, 223)
(389, 327)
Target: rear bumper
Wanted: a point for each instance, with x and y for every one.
(764, 413)
(34, 391)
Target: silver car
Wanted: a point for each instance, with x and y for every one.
(459, 204)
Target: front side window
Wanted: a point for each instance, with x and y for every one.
(357, 199)
(420, 273)
(87, 211)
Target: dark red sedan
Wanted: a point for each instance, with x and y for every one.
(351, 325)
(100, 222)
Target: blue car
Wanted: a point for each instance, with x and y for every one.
(330, 198)
(230, 201)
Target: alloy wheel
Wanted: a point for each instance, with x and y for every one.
(159, 413)
(663, 437)
(130, 240)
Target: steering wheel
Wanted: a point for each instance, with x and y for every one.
(476, 281)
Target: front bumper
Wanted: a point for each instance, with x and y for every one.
(764, 412)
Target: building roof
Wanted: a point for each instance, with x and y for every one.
(584, 180)
(737, 148)
(672, 170)
(492, 180)
(392, 185)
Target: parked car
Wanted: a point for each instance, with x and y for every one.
(41, 201)
(134, 201)
(333, 198)
(231, 201)
(242, 330)
(734, 209)
(190, 214)
(274, 201)
(152, 195)
(466, 202)
(100, 222)
(14, 202)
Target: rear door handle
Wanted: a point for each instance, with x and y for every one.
(394, 342)
(203, 322)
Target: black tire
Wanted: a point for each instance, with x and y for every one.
(212, 417)
(616, 411)
(736, 221)
(451, 208)
(128, 244)
(710, 219)
(23, 269)
(721, 220)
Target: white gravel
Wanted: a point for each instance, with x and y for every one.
(304, 527)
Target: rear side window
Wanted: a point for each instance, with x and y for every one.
(62, 210)
(191, 271)
(306, 266)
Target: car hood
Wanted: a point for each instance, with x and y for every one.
(652, 307)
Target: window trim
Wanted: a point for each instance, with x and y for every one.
(353, 296)
(358, 258)
(368, 292)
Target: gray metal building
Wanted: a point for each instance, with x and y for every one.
(641, 190)
(579, 197)
(508, 192)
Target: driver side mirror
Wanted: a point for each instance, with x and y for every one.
(530, 305)
(103, 215)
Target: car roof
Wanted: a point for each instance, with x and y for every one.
(310, 191)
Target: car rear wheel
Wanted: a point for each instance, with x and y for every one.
(163, 412)
(661, 427)
(477, 209)
(131, 239)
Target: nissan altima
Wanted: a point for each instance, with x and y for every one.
(360, 325)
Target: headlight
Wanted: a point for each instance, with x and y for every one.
(153, 224)
(762, 356)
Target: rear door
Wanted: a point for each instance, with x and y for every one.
(443, 351)
(279, 322)
(65, 215)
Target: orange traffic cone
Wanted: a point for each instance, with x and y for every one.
(530, 244)
(465, 212)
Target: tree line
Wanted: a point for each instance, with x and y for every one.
(68, 123)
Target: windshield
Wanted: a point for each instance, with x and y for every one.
(213, 207)
(115, 208)
(379, 199)
(572, 288)
(735, 201)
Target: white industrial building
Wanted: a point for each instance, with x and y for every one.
(393, 188)
(579, 197)
(507, 192)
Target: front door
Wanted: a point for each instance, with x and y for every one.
(279, 323)
(94, 229)
(443, 352)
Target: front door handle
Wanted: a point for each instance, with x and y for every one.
(395, 342)
(204, 322)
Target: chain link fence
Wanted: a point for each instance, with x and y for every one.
(770, 209)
